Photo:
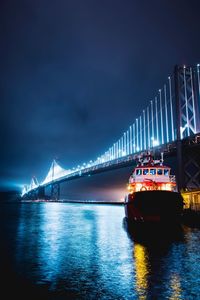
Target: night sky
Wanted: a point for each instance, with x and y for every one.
(74, 74)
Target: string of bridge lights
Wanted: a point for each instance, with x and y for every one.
(154, 127)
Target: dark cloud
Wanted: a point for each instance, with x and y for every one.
(75, 74)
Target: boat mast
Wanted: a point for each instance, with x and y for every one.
(161, 161)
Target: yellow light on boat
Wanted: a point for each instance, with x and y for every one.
(128, 187)
(138, 187)
(168, 187)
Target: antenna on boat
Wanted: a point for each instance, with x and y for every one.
(161, 160)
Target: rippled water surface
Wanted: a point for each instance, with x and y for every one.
(88, 251)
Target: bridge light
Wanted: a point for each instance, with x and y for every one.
(155, 143)
(182, 129)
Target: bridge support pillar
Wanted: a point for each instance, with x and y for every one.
(32, 195)
(41, 192)
(55, 191)
(187, 127)
(178, 126)
(191, 167)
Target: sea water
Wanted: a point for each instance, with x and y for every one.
(89, 251)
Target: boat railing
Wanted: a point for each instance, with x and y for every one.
(172, 178)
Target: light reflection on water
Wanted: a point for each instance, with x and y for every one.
(89, 251)
(76, 246)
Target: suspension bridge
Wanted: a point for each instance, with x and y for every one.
(170, 123)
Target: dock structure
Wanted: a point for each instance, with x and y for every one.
(192, 200)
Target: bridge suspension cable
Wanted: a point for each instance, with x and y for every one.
(158, 124)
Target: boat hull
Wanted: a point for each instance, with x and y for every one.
(154, 206)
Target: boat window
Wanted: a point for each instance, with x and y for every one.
(159, 172)
(153, 171)
(145, 171)
(138, 171)
(166, 172)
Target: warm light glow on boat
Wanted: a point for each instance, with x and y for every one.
(168, 187)
(138, 187)
(152, 191)
(151, 175)
(129, 187)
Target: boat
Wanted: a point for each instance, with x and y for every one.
(152, 192)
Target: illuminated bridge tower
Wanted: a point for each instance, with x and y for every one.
(187, 95)
(55, 173)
